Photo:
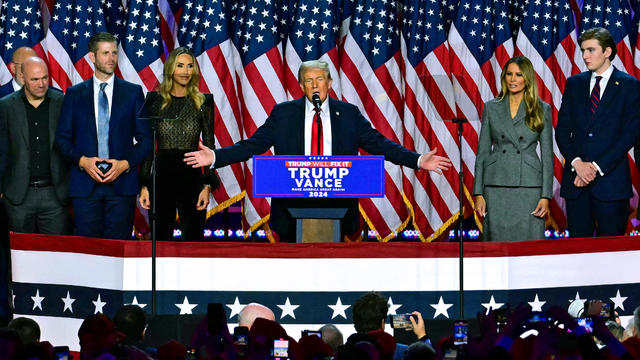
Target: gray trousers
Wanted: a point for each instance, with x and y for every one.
(40, 212)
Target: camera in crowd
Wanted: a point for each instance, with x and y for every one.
(402, 321)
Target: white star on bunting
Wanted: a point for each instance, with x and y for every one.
(339, 309)
(99, 304)
(288, 309)
(37, 300)
(492, 304)
(68, 301)
(392, 308)
(135, 302)
(441, 308)
(618, 300)
(236, 307)
(185, 307)
(536, 304)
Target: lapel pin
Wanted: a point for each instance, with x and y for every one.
(617, 83)
(338, 113)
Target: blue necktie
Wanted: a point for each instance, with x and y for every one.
(103, 123)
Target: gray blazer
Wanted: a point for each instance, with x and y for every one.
(507, 149)
(14, 131)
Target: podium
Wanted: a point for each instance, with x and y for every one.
(318, 224)
(318, 177)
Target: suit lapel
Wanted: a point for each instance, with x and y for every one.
(508, 122)
(297, 126)
(117, 98)
(87, 94)
(334, 108)
(21, 115)
(610, 92)
(54, 111)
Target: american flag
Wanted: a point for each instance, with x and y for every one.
(141, 49)
(371, 78)
(170, 11)
(204, 28)
(250, 52)
(115, 15)
(615, 16)
(257, 36)
(480, 38)
(429, 101)
(313, 33)
(20, 25)
(449, 9)
(73, 23)
(58, 281)
(548, 38)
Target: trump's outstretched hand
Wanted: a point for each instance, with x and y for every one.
(202, 157)
(433, 162)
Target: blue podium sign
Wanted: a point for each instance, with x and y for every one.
(300, 176)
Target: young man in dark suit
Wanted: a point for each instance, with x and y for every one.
(598, 123)
(96, 135)
(290, 130)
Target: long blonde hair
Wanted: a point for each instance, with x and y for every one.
(534, 116)
(167, 80)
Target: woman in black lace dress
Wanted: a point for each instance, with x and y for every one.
(187, 114)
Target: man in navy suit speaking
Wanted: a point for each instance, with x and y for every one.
(292, 129)
(96, 131)
(598, 123)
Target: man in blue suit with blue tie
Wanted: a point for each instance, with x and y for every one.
(96, 132)
(598, 123)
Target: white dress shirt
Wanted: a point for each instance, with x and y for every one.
(325, 116)
(16, 86)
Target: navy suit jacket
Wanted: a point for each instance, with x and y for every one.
(6, 89)
(605, 138)
(284, 130)
(77, 136)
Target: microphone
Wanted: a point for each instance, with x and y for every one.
(317, 103)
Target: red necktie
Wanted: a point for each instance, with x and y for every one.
(315, 129)
(595, 95)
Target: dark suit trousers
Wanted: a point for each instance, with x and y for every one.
(40, 212)
(586, 215)
(104, 214)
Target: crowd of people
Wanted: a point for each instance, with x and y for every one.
(520, 334)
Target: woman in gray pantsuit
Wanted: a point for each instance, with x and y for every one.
(513, 181)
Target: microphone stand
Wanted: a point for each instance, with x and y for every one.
(317, 104)
(153, 121)
(460, 122)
